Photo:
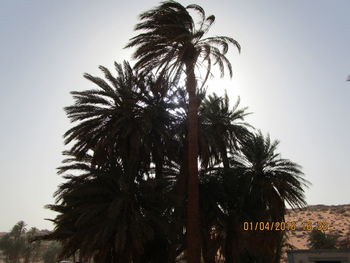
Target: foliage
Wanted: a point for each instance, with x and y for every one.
(107, 210)
(345, 241)
(172, 42)
(320, 240)
(21, 245)
(131, 168)
(13, 244)
(171, 38)
(104, 215)
(50, 255)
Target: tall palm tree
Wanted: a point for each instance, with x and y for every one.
(171, 43)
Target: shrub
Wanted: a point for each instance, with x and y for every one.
(320, 240)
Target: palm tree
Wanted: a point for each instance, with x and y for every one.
(271, 182)
(107, 205)
(123, 149)
(255, 187)
(13, 244)
(105, 216)
(126, 118)
(216, 118)
(320, 240)
(172, 43)
(274, 179)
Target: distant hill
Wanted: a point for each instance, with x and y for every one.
(333, 219)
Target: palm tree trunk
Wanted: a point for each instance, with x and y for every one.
(179, 205)
(193, 233)
(224, 157)
(231, 244)
(158, 162)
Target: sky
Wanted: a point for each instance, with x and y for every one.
(291, 74)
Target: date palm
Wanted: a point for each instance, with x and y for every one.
(13, 244)
(217, 118)
(107, 217)
(273, 180)
(271, 183)
(121, 147)
(127, 118)
(255, 188)
(172, 42)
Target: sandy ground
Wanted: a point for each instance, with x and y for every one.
(330, 219)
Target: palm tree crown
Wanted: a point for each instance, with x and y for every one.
(126, 118)
(172, 39)
(216, 117)
(273, 179)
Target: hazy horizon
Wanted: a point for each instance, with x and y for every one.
(291, 74)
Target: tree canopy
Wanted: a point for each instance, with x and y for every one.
(118, 203)
(157, 170)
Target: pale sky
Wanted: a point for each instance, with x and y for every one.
(291, 74)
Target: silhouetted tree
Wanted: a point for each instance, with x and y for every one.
(133, 158)
(171, 42)
(253, 189)
(103, 206)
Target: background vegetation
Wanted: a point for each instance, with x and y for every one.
(22, 245)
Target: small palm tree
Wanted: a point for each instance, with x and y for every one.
(221, 129)
(255, 188)
(172, 43)
(272, 182)
(273, 179)
(105, 216)
(126, 118)
(13, 244)
(320, 240)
